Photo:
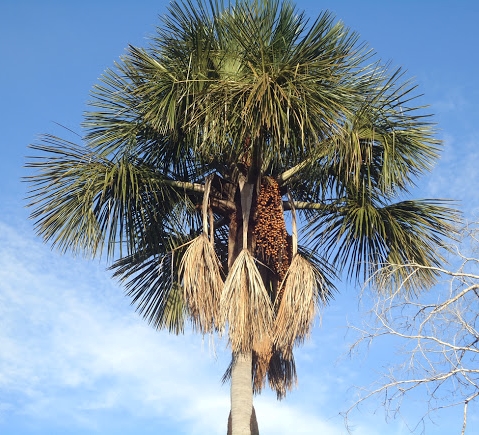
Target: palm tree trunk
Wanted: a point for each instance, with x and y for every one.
(243, 418)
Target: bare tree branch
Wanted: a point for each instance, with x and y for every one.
(438, 334)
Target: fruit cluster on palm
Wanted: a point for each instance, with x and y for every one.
(238, 125)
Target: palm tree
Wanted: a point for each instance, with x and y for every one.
(236, 124)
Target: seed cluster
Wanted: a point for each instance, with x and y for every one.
(272, 241)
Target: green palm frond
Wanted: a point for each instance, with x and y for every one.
(150, 279)
(68, 181)
(383, 147)
(174, 314)
(286, 99)
(362, 236)
(415, 232)
(83, 201)
(282, 375)
(393, 137)
(291, 85)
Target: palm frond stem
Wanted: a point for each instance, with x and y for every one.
(304, 205)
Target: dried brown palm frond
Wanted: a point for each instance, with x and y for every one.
(280, 371)
(200, 275)
(282, 374)
(300, 291)
(295, 307)
(245, 304)
(262, 353)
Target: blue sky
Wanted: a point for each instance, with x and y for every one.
(74, 356)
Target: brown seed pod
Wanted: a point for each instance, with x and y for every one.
(269, 228)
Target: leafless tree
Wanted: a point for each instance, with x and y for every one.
(437, 332)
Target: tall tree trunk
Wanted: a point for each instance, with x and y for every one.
(242, 419)
(253, 424)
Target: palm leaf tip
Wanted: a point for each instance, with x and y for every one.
(153, 289)
(200, 275)
(174, 315)
(245, 305)
(280, 372)
(262, 354)
(282, 375)
(417, 232)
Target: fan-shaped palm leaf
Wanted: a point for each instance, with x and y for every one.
(83, 200)
(362, 236)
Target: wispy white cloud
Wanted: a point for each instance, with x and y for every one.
(451, 100)
(71, 345)
(74, 354)
(456, 174)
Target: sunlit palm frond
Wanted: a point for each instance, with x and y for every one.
(134, 104)
(67, 182)
(289, 86)
(245, 305)
(394, 139)
(174, 314)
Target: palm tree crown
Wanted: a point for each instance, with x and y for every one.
(196, 149)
